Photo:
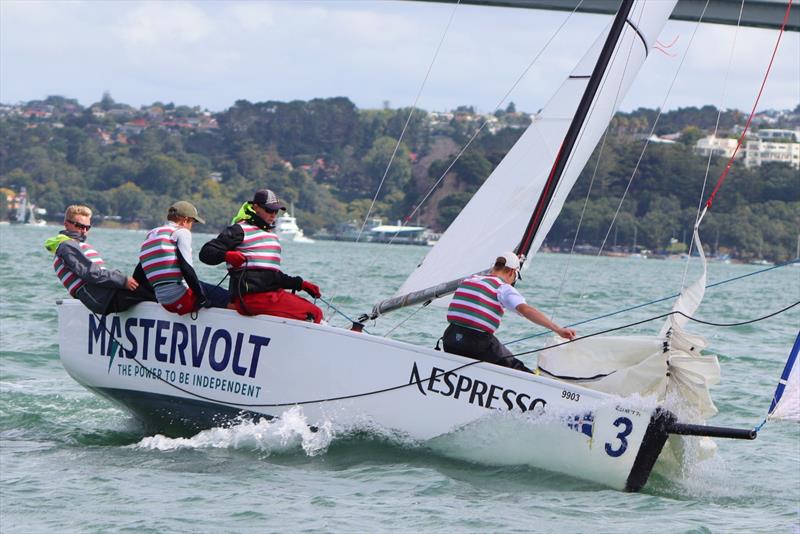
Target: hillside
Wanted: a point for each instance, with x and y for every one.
(327, 158)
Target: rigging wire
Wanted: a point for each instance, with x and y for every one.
(483, 125)
(654, 301)
(568, 262)
(395, 327)
(752, 112)
(340, 312)
(652, 129)
(405, 126)
(420, 381)
(617, 312)
(408, 119)
(518, 80)
(714, 135)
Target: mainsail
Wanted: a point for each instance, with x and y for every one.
(514, 189)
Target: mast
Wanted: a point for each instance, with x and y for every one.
(560, 164)
(574, 129)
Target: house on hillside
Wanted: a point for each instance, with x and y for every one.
(716, 146)
(773, 147)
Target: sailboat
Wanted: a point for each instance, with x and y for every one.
(26, 212)
(182, 373)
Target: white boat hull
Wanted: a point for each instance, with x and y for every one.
(177, 372)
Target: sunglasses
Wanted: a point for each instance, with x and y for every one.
(80, 226)
(268, 210)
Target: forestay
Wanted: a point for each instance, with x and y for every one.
(496, 217)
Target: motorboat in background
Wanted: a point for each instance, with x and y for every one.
(287, 229)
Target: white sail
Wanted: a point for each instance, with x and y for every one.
(22, 206)
(786, 403)
(495, 218)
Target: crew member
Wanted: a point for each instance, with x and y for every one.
(252, 252)
(166, 258)
(82, 271)
(477, 308)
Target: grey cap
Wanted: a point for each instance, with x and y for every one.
(267, 199)
(186, 209)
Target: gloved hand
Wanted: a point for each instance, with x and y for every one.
(234, 258)
(311, 289)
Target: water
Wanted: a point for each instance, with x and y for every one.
(72, 461)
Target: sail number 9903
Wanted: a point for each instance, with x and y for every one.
(569, 395)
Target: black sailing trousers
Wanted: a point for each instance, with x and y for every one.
(479, 345)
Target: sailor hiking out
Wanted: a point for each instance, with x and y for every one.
(252, 251)
(477, 308)
(166, 258)
(82, 271)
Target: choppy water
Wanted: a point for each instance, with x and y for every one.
(72, 461)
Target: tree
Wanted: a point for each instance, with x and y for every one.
(106, 102)
(167, 176)
(451, 206)
(128, 201)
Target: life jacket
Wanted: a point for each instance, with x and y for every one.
(159, 258)
(476, 305)
(71, 280)
(261, 248)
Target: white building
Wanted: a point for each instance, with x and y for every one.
(773, 134)
(716, 146)
(758, 151)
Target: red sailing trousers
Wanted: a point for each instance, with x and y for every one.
(279, 303)
(186, 304)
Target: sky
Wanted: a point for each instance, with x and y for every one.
(210, 54)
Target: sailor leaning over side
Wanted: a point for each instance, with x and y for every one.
(83, 273)
(166, 258)
(477, 308)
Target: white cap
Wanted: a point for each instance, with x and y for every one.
(511, 260)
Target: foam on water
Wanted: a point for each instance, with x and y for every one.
(287, 433)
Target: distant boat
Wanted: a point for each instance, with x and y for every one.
(286, 227)
(401, 235)
(26, 212)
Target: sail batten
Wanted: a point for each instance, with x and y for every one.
(516, 185)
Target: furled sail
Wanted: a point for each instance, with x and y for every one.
(690, 298)
(496, 217)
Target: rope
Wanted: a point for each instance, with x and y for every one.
(655, 301)
(435, 376)
(340, 312)
(663, 316)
